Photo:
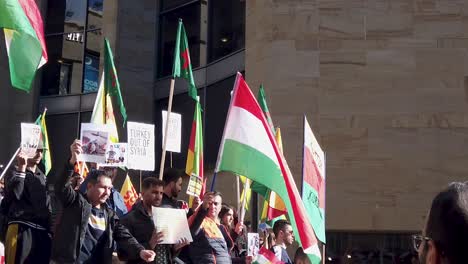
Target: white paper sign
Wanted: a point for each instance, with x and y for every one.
(116, 155)
(94, 141)
(174, 131)
(30, 138)
(253, 244)
(173, 223)
(140, 146)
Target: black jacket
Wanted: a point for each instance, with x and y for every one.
(141, 226)
(27, 197)
(74, 223)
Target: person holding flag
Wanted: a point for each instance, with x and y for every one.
(28, 237)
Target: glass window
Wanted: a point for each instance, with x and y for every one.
(64, 84)
(369, 248)
(227, 28)
(168, 28)
(91, 74)
(65, 25)
(218, 96)
(169, 4)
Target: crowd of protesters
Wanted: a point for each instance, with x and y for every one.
(85, 221)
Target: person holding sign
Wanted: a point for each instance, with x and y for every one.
(209, 245)
(28, 206)
(88, 227)
(139, 222)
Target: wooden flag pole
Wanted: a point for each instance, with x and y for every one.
(169, 109)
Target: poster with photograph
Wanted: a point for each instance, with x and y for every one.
(140, 146)
(194, 186)
(174, 131)
(94, 141)
(116, 155)
(253, 244)
(30, 138)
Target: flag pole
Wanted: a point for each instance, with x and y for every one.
(244, 200)
(170, 155)
(166, 129)
(238, 194)
(323, 258)
(213, 181)
(9, 163)
(140, 181)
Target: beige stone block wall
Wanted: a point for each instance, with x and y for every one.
(384, 85)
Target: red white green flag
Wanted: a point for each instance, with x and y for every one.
(313, 185)
(24, 36)
(182, 66)
(266, 256)
(248, 148)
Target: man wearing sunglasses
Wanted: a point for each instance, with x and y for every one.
(284, 238)
(444, 239)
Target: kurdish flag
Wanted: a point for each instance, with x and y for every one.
(248, 148)
(182, 66)
(313, 185)
(103, 111)
(194, 163)
(265, 256)
(129, 193)
(24, 35)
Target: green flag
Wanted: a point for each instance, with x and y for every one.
(182, 66)
(24, 36)
(111, 80)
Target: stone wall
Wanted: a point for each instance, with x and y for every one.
(384, 87)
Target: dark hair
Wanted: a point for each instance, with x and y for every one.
(447, 223)
(224, 210)
(151, 182)
(94, 175)
(300, 255)
(280, 226)
(171, 175)
(215, 193)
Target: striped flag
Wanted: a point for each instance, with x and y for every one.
(194, 164)
(265, 256)
(24, 35)
(248, 148)
(313, 185)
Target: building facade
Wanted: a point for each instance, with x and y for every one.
(383, 84)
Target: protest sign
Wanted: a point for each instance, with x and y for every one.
(253, 244)
(173, 223)
(194, 186)
(30, 138)
(174, 131)
(116, 155)
(140, 146)
(94, 141)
